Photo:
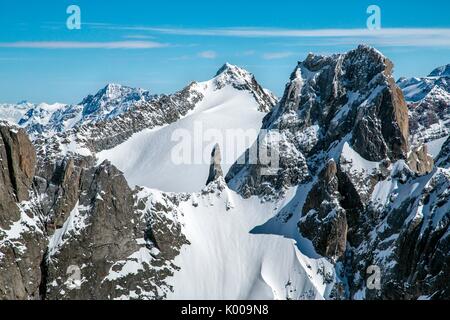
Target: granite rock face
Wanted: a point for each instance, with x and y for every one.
(322, 204)
(18, 159)
(21, 241)
(350, 97)
(106, 230)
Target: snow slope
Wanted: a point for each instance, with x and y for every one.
(226, 259)
(435, 146)
(176, 157)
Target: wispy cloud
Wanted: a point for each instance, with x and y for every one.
(138, 36)
(274, 32)
(208, 54)
(277, 55)
(422, 37)
(83, 45)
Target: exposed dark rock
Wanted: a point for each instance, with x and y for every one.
(105, 227)
(21, 241)
(215, 170)
(19, 159)
(324, 221)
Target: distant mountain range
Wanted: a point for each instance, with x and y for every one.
(44, 118)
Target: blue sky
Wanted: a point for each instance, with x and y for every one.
(163, 45)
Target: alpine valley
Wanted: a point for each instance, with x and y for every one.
(92, 205)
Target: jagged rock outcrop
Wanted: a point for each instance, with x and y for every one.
(350, 97)
(21, 243)
(215, 170)
(108, 229)
(324, 221)
(420, 161)
(18, 159)
(407, 238)
(17, 164)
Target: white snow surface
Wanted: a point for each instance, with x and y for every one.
(227, 257)
(176, 157)
(435, 146)
(354, 163)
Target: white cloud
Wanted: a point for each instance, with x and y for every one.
(277, 55)
(207, 54)
(273, 32)
(421, 37)
(392, 37)
(83, 45)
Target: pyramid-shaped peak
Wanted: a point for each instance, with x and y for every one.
(232, 69)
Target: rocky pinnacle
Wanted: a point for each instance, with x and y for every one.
(215, 170)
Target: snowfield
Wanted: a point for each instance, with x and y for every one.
(229, 259)
(176, 157)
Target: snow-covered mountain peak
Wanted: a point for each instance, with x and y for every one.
(114, 90)
(229, 104)
(109, 102)
(233, 75)
(113, 99)
(443, 71)
(231, 69)
(239, 79)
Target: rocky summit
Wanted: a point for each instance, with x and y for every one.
(354, 202)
